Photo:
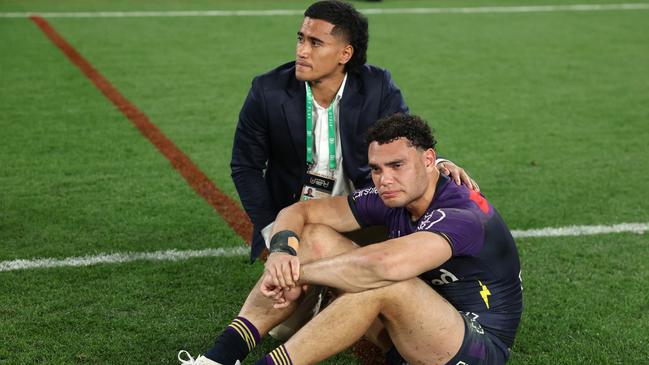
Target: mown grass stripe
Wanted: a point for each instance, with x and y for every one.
(175, 255)
(203, 186)
(286, 12)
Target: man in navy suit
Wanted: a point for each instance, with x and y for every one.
(301, 133)
(270, 161)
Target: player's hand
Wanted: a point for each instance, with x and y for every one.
(282, 297)
(284, 269)
(288, 296)
(458, 174)
(269, 289)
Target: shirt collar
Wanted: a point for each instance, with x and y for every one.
(339, 94)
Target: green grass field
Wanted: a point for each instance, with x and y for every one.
(549, 111)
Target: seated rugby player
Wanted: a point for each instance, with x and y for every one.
(444, 289)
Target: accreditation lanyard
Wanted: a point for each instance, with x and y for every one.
(309, 130)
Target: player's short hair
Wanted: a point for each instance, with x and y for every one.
(401, 125)
(348, 23)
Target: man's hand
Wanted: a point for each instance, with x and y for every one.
(283, 269)
(282, 297)
(458, 174)
(269, 289)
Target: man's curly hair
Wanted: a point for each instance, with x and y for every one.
(349, 23)
(399, 125)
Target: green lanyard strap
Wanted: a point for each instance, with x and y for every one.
(309, 130)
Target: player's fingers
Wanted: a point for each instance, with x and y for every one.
(456, 175)
(295, 268)
(273, 275)
(469, 182)
(280, 277)
(268, 292)
(270, 277)
(279, 295)
(267, 288)
(475, 186)
(466, 180)
(280, 300)
(264, 290)
(287, 274)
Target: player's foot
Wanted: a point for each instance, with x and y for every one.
(186, 359)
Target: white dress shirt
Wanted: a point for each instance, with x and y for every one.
(320, 166)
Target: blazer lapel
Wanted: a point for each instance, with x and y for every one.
(350, 109)
(294, 111)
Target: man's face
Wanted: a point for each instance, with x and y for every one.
(400, 171)
(319, 53)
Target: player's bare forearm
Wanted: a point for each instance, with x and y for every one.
(354, 271)
(333, 212)
(292, 218)
(380, 264)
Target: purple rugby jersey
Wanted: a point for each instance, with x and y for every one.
(482, 278)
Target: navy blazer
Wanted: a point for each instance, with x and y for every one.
(269, 151)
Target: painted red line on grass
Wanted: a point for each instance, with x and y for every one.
(223, 204)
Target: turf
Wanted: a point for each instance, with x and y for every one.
(584, 300)
(548, 111)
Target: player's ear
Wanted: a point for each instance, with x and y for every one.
(429, 157)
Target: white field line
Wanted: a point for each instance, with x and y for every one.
(285, 12)
(118, 258)
(582, 230)
(175, 255)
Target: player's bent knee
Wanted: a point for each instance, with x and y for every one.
(312, 242)
(406, 286)
(318, 241)
(400, 291)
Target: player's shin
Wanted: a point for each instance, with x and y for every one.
(235, 343)
(279, 356)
